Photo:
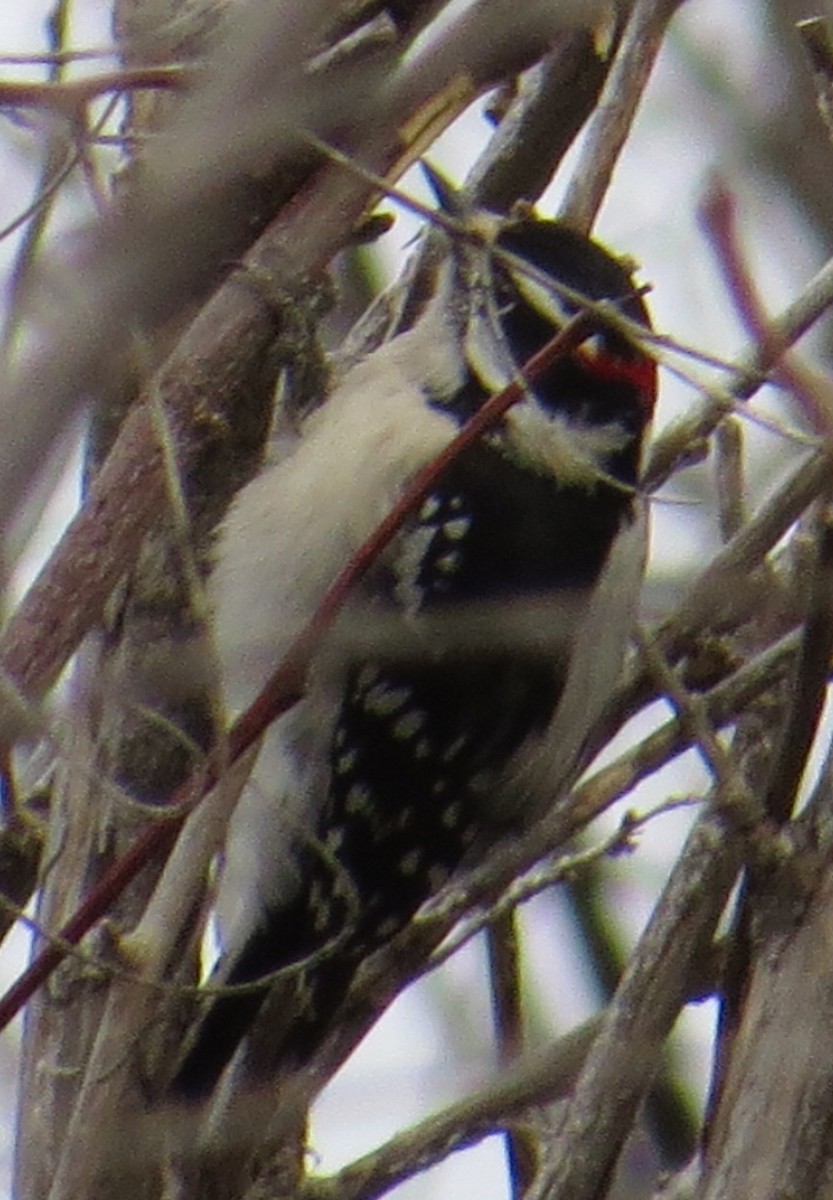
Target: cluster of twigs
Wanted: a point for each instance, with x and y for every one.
(743, 660)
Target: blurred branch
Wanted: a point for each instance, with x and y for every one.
(248, 113)
(779, 130)
(791, 740)
(541, 1077)
(751, 369)
(722, 705)
(817, 42)
(774, 1118)
(105, 1089)
(544, 874)
(545, 1076)
(669, 1111)
(552, 101)
(503, 945)
(692, 710)
(718, 215)
(228, 352)
(728, 446)
(626, 1054)
(616, 110)
(70, 98)
(726, 593)
(809, 685)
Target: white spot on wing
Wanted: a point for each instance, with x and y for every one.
(367, 677)
(358, 799)
(384, 701)
(387, 926)
(335, 839)
(409, 725)
(422, 749)
(430, 508)
(346, 762)
(451, 752)
(409, 863)
(449, 563)
(456, 528)
(451, 815)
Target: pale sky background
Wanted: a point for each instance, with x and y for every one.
(686, 130)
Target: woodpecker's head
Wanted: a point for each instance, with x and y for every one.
(551, 273)
(512, 285)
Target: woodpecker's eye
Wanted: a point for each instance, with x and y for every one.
(610, 359)
(595, 345)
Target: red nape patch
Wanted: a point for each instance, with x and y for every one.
(640, 372)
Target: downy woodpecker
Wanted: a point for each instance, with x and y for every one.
(455, 696)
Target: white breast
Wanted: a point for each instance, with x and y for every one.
(286, 538)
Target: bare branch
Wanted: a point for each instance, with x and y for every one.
(616, 110)
(625, 1056)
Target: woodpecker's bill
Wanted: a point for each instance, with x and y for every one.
(457, 692)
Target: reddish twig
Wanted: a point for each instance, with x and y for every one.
(286, 685)
(718, 217)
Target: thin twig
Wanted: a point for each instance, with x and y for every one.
(751, 370)
(545, 874)
(725, 592)
(545, 1076)
(692, 710)
(69, 98)
(503, 947)
(718, 215)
